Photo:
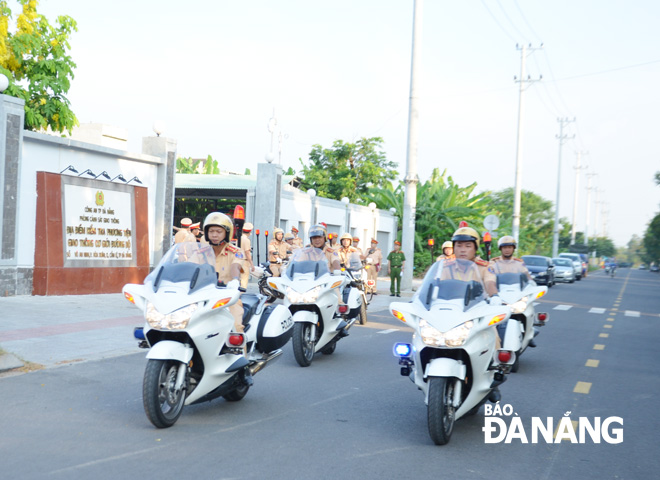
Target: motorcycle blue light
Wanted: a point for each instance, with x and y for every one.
(138, 333)
(402, 350)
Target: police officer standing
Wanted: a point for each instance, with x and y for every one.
(296, 239)
(374, 259)
(277, 251)
(447, 250)
(396, 261)
(246, 246)
(184, 234)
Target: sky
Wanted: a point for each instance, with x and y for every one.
(214, 71)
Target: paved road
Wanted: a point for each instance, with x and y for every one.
(351, 414)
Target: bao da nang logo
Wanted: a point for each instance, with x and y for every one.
(502, 424)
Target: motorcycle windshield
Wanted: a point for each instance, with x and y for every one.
(189, 262)
(514, 279)
(307, 260)
(452, 281)
(354, 262)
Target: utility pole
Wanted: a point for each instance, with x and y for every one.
(575, 198)
(411, 180)
(589, 189)
(562, 139)
(524, 51)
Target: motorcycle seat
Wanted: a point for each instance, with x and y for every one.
(250, 304)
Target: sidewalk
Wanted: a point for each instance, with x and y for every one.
(46, 332)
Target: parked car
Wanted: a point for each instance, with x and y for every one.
(541, 268)
(642, 267)
(564, 270)
(577, 262)
(585, 263)
(654, 268)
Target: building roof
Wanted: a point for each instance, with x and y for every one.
(222, 181)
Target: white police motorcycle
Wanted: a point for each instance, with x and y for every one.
(194, 353)
(312, 295)
(452, 358)
(519, 293)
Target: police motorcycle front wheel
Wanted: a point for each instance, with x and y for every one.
(441, 412)
(303, 343)
(163, 402)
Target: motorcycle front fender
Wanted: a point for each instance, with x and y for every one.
(304, 316)
(513, 336)
(445, 367)
(169, 350)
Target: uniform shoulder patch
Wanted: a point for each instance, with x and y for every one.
(519, 259)
(495, 259)
(481, 262)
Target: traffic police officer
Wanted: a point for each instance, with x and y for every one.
(396, 261)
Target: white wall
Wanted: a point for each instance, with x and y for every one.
(296, 208)
(48, 153)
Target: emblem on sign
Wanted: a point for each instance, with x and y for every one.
(99, 198)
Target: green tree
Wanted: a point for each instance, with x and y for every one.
(536, 222)
(188, 165)
(441, 206)
(603, 246)
(633, 251)
(652, 241)
(347, 169)
(35, 59)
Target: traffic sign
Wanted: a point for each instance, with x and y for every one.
(491, 222)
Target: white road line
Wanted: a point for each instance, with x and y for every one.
(631, 313)
(389, 331)
(597, 310)
(563, 307)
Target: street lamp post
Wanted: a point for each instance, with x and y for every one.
(411, 180)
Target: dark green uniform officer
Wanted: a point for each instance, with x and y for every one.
(396, 260)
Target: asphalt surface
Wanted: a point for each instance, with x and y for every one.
(50, 331)
(350, 414)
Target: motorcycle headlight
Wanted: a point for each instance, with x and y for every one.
(177, 320)
(453, 338)
(520, 306)
(310, 296)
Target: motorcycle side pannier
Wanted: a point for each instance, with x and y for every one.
(275, 328)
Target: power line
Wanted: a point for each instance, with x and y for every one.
(497, 22)
(607, 71)
(512, 24)
(526, 22)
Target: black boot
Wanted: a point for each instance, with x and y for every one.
(495, 395)
(246, 377)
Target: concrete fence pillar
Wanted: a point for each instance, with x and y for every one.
(165, 148)
(13, 280)
(267, 204)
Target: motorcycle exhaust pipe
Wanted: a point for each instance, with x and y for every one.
(260, 364)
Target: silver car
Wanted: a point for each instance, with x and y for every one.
(577, 263)
(564, 270)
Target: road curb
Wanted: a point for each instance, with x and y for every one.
(9, 362)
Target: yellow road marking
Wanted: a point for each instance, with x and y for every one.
(615, 309)
(598, 346)
(592, 363)
(604, 335)
(610, 319)
(607, 326)
(582, 387)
